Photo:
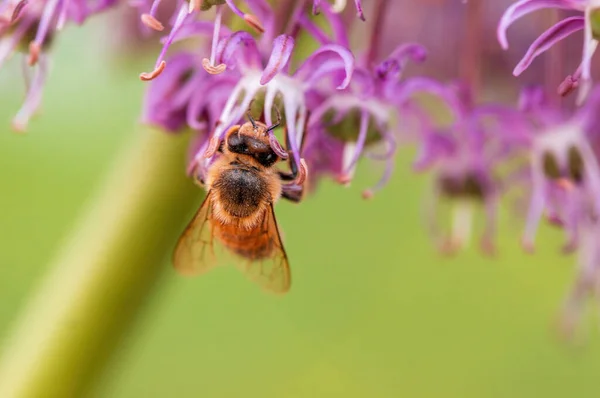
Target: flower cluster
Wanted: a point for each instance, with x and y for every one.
(339, 100)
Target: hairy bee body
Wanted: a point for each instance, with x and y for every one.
(243, 192)
(237, 214)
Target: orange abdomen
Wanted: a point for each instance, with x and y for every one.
(253, 244)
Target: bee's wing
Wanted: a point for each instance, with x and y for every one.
(273, 272)
(194, 253)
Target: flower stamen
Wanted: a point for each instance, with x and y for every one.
(147, 76)
(209, 65)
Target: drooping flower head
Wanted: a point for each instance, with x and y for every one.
(566, 186)
(30, 27)
(464, 157)
(589, 22)
(346, 124)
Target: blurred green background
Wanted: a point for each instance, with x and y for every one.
(374, 309)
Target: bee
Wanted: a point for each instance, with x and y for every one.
(237, 214)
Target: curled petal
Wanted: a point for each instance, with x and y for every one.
(280, 56)
(522, 8)
(313, 64)
(393, 65)
(547, 39)
(243, 42)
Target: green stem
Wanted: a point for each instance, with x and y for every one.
(104, 275)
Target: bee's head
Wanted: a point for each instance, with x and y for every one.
(252, 139)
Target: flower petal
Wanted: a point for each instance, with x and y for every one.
(248, 55)
(280, 56)
(522, 8)
(547, 39)
(314, 63)
(394, 64)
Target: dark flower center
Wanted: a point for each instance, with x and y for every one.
(346, 130)
(574, 169)
(467, 186)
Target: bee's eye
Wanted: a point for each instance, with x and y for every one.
(576, 166)
(550, 166)
(237, 144)
(266, 158)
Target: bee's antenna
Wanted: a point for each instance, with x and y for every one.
(277, 123)
(249, 114)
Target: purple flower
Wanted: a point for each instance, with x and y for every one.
(252, 70)
(464, 157)
(589, 21)
(30, 26)
(346, 124)
(566, 185)
(564, 170)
